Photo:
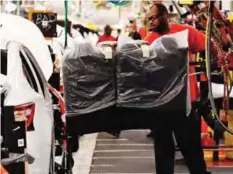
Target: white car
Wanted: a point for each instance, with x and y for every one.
(26, 98)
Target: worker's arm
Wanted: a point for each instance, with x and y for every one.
(151, 37)
(100, 39)
(196, 40)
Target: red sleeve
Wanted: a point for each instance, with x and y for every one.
(114, 39)
(142, 32)
(151, 37)
(196, 40)
(100, 39)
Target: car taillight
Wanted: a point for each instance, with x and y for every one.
(26, 113)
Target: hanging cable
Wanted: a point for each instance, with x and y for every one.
(66, 22)
(208, 66)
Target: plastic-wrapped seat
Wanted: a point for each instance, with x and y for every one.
(151, 82)
(88, 80)
(89, 89)
(141, 86)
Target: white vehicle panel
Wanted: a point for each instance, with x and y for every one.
(39, 141)
(20, 91)
(17, 28)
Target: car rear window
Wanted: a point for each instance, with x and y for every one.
(28, 73)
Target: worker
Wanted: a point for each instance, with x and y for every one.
(107, 35)
(186, 128)
(118, 33)
(133, 30)
(143, 29)
(201, 22)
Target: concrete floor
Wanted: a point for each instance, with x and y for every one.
(131, 153)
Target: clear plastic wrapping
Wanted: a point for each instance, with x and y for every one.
(131, 79)
(150, 82)
(88, 80)
(129, 90)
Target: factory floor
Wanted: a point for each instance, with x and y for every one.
(131, 153)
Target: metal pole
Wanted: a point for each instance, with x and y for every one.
(66, 22)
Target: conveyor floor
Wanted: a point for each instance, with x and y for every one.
(131, 153)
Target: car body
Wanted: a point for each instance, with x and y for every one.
(27, 95)
(17, 28)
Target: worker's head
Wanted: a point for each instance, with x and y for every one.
(133, 25)
(158, 18)
(107, 30)
(118, 31)
(201, 21)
